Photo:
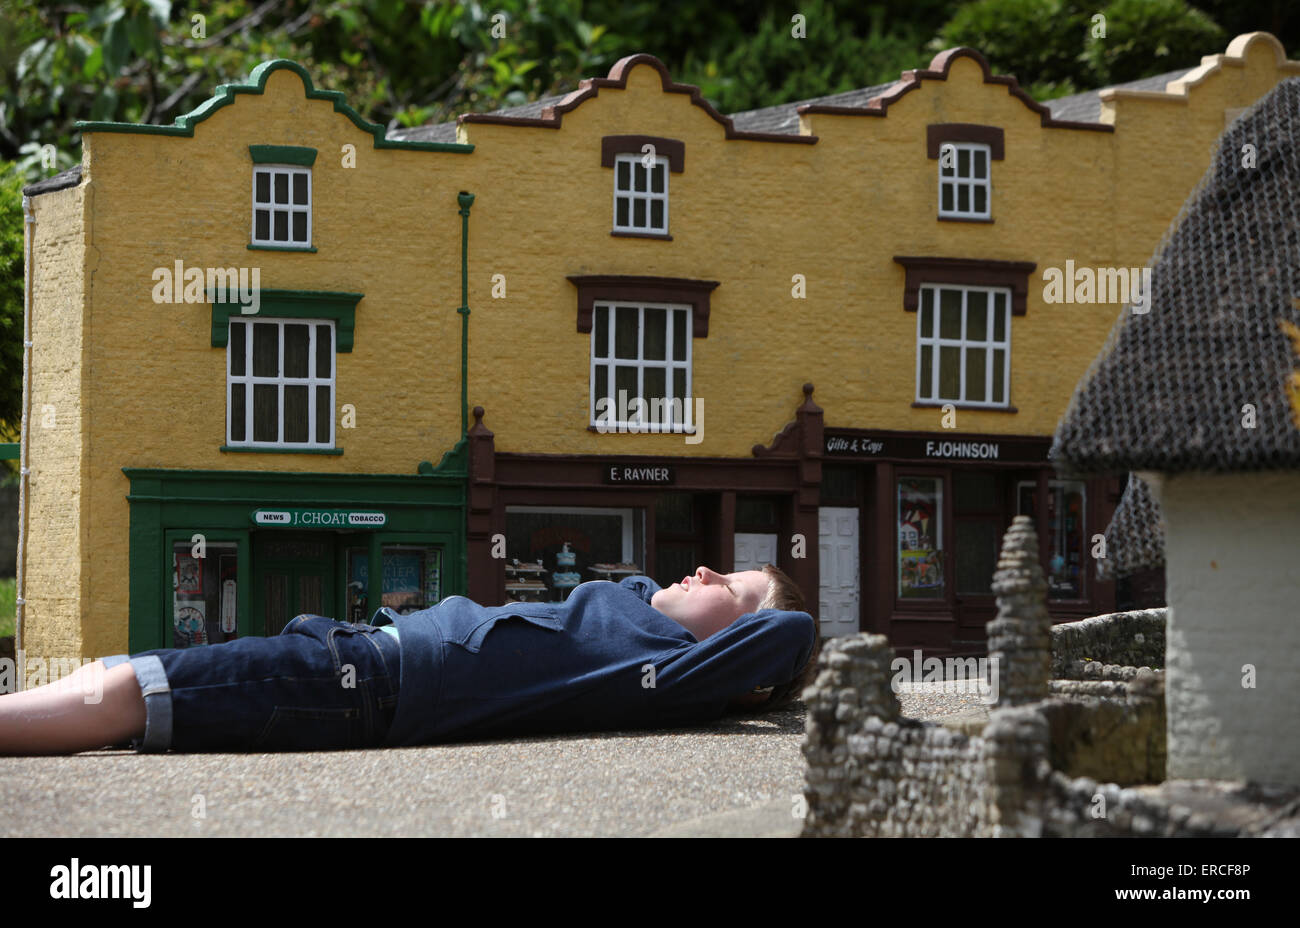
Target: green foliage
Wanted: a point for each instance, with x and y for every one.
(11, 299)
(773, 66)
(1150, 36)
(1050, 46)
(8, 606)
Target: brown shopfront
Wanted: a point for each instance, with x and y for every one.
(895, 533)
(540, 524)
(932, 510)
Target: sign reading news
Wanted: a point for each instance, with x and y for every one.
(319, 518)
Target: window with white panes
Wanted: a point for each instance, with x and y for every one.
(641, 194)
(964, 184)
(280, 383)
(963, 345)
(282, 206)
(641, 367)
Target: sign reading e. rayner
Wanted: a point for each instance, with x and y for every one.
(319, 518)
(645, 474)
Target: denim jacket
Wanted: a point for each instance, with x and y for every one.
(604, 658)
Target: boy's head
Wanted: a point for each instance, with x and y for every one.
(708, 602)
(784, 594)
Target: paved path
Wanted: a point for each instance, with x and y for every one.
(735, 777)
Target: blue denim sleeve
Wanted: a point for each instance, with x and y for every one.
(760, 649)
(642, 586)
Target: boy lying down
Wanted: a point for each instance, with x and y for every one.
(613, 655)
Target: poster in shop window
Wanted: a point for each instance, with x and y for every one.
(920, 534)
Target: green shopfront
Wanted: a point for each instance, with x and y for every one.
(218, 555)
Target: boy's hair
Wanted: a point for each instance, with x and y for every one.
(784, 594)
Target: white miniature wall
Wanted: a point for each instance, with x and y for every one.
(1232, 548)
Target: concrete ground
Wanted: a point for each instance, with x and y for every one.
(736, 777)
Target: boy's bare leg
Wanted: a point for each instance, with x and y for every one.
(89, 709)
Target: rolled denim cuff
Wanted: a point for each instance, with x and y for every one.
(157, 694)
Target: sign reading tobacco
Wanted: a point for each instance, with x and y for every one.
(864, 444)
(640, 474)
(319, 518)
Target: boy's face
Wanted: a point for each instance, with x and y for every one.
(708, 602)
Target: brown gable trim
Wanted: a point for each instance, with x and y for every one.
(552, 116)
(938, 71)
(635, 288)
(975, 272)
(939, 133)
(672, 149)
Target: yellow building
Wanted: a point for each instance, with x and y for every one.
(940, 258)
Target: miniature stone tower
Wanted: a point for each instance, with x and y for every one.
(1020, 637)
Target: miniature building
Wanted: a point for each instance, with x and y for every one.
(1081, 753)
(206, 463)
(1198, 396)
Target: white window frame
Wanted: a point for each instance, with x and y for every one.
(668, 364)
(290, 208)
(633, 195)
(988, 345)
(957, 181)
(311, 382)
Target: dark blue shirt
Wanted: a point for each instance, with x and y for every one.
(604, 658)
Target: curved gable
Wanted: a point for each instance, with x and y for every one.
(940, 67)
(225, 95)
(553, 116)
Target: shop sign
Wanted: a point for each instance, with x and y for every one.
(319, 518)
(641, 474)
(936, 448)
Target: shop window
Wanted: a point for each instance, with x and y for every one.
(550, 550)
(963, 352)
(756, 514)
(641, 368)
(964, 185)
(641, 194)
(1066, 532)
(412, 580)
(280, 383)
(920, 538)
(839, 486)
(204, 600)
(282, 206)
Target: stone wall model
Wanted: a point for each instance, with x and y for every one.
(1034, 768)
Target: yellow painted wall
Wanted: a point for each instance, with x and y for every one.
(55, 576)
(747, 213)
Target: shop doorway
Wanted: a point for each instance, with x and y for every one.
(293, 574)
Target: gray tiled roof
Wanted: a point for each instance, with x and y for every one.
(784, 117)
(1086, 106)
(69, 178)
(446, 131)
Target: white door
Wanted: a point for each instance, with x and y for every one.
(838, 547)
(753, 550)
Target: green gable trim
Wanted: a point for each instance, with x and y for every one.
(311, 249)
(225, 94)
(290, 304)
(283, 154)
(244, 450)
